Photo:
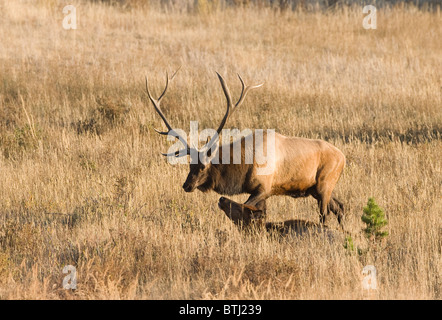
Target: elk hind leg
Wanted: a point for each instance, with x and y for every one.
(323, 195)
(327, 180)
(337, 208)
(323, 205)
(324, 209)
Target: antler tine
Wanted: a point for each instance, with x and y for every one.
(156, 103)
(230, 107)
(167, 82)
(165, 89)
(245, 89)
(243, 85)
(229, 103)
(173, 76)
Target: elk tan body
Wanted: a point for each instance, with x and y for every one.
(299, 167)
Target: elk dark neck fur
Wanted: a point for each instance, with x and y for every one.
(229, 179)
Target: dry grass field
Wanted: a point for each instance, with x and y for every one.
(82, 181)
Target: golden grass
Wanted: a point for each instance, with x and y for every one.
(83, 183)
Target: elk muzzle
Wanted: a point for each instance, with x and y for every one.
(188, 187)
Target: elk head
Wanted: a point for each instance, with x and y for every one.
(201, 159)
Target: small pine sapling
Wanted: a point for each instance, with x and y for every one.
(375, 220)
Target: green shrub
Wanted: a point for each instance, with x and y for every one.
(375, 220)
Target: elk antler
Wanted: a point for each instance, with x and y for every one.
(230, 109)
(170, 131)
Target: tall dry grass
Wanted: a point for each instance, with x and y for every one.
(83, 183)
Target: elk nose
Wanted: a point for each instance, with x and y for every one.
(220, 202)
(187, 187)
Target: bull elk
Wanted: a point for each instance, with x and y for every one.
(302, 167)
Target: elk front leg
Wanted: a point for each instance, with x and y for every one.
(259, 202)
